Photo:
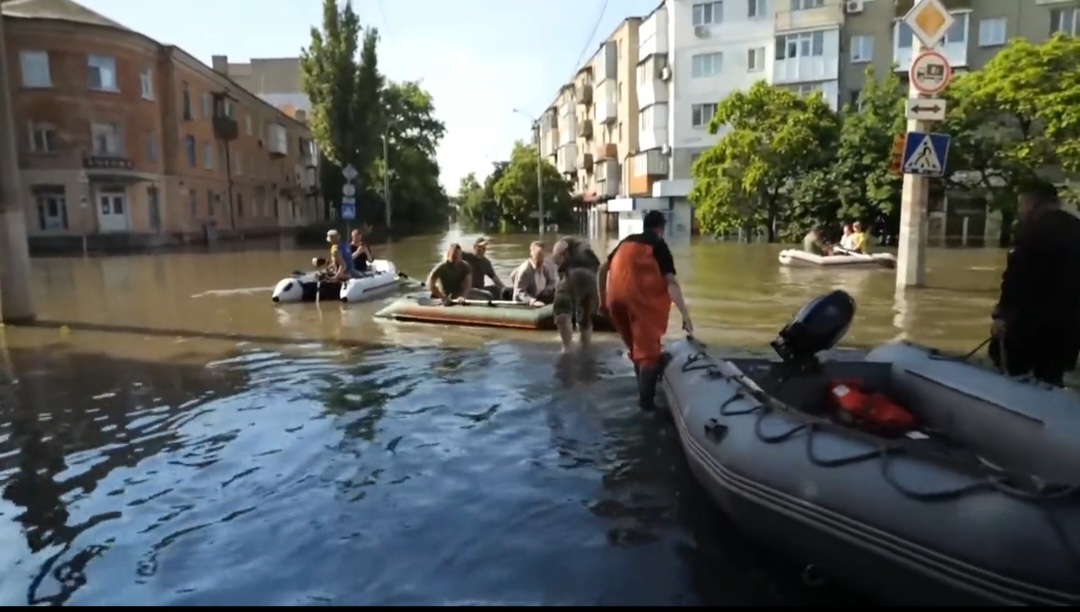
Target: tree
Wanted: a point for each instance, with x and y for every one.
(515, 190)
(865, 188)
(354, 108)
(776, 138)
(1013, 121)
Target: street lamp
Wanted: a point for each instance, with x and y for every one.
(539, 173)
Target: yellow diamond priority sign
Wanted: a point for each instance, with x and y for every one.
(929, 20)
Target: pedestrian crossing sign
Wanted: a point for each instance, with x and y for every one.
(926, 154)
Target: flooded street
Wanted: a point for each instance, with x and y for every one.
(169, 437)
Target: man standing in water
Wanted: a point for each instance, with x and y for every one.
(1036, 324)
(637, 285)
(575, 292)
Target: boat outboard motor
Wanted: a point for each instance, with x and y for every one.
(817, 327)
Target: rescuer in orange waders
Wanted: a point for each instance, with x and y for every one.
(637, 286)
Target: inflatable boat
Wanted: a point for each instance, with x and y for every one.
(796, 257)
(977, 505)
(422, 308)
(306, 287)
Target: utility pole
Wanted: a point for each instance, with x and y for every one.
(386, 179)
(539, 177)
(16, 305)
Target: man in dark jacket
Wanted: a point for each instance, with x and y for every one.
(1036, 324)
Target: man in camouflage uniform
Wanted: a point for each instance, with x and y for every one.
(576, 295)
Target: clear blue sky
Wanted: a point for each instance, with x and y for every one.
(479, 58)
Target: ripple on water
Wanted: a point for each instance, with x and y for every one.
(420, 476)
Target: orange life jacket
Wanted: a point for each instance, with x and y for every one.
(871, 411)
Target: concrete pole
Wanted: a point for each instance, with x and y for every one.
(914, 213)
(539, 178)
(16, 305)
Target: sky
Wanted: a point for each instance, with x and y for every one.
(480, 59)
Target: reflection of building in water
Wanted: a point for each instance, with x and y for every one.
(67, 403)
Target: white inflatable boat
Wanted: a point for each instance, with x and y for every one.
(797, 257)
(979, 505)
(306, 287)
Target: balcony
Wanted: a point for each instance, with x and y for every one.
(606, 110)
(650, 92)
(607, 178)
(583, 94)
(277, 140)
(607, 151)
(647, 168)
(608, 59)
(830, 14)
(653, 127)
(585, 129)
(549, 142)
(107, 162)
(585, 160)
(653, 35)
(566, 159)
(226, 128)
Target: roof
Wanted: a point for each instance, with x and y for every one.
(73, 12)
(63, 10)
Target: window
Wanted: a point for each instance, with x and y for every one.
(51, 203)
(1064, 20)
(35, 68)
(43, 138)
(194, 203)
(806, 89)
(189, 150)
(702, 114)
(755, 59)
(108, 138)
(207, 105)
(146, 83)
(708, 13)
(102, 73)
(805, 44)
(228, 108)
(756, 8)
(862, 49)
(247, 124)
(151, 147)
(186, 101)
(208, 156)
(804, 5)
(706, 64)
(992, 32)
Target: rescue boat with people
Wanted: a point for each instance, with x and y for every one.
(916, 477)
(797, 257)
(381, 276)
(422, 308)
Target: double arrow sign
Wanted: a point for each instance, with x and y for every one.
(921, 109)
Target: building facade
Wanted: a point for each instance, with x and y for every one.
(276, 80)
(138, 141)
(691, 54)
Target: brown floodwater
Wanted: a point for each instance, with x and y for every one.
(168, 436)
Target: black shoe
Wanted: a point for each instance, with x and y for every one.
(648, 378)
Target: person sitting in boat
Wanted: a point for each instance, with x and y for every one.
(815, 243)
(452, 278)
(482, 270)
(535, 279)
(858, 238)
(576, 297)
(361, 253)
(333, 268)
(846, 239)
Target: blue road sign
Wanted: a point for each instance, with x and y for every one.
(926, 154)
(348, 208)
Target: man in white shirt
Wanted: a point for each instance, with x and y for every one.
(534, 280)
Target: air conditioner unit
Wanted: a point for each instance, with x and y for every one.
(853, 7)
(665, 150)
(702, 31)
(665, 73)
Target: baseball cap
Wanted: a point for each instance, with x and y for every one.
(654, 219)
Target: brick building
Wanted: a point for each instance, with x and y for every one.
(125, 136)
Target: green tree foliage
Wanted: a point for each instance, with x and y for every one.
(776, 139)
(354, 107)
(515, 191)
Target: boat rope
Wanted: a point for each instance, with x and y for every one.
(1049, 495)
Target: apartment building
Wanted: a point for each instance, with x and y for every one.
(276, 80)
(141, 142)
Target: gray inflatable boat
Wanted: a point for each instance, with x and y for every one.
(980, 506)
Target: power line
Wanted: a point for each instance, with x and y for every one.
(588, 41)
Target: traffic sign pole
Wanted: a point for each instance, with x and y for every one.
(914, 212)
